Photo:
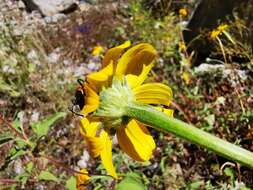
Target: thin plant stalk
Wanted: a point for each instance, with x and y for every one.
(160, 121)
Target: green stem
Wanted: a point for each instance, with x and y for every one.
(160, 121)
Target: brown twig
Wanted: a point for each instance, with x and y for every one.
(59, 163)
(6, 181)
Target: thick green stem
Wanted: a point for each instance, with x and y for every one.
(162, 122)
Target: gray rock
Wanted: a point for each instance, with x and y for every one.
(234, 76)
(208, 68)
(50, 7)
(55, 18)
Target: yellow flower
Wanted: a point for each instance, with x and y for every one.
(186, 77)
(214, 34)
(97, 50)
(119, 83)
(222, 27)
(218, 31)
(182, 47)
(183, 12)
(82, 179)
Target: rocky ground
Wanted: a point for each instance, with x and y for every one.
(46, 47)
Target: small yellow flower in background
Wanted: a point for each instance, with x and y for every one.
(97, 50)
(214, 34)
(82, 179)
(218, 31)
(119, 83)
(182, 46)
(183, 12)
(222, 27)
(186, 77)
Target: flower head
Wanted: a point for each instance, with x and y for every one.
(109, 91)
(218, 31)
(97, 50)
(182, 47)
(183, 12)
(222, 27)
(186, 77)
(82, 179)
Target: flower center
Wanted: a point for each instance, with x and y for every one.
(114, 100)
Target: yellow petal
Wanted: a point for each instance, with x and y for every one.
(89, 131)
(95, 145)
(168, 112)
(88, 128)
(135, 140)
(114, 53)
(133, 80)
(82, 179)
(91, 100)
(153, 93)
(101, 78)
(101, 145)
(106, 154)
(132, 60)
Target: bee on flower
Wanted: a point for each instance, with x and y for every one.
(108, 93)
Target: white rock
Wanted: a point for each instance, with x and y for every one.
(208, 68)
(50, 7)
(83, 162)
(80, 71)
(32, 55)
(234, 76)
(21, 5)
(54, 56)
(84, 7)
(35, 116)
(86, 155)
(55, 18)
(91, 66)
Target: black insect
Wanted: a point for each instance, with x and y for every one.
(79, 99)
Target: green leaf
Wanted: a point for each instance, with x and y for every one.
(29, 167)
(4, 87)
(5, 138)
(17, 122)
(210, 119)
(71, 183)
(131, 181)
(17, 154)
(21, 143)
(195, 185)
(244, 188)
(42, 127)
(47, 176)
(229, 37)
(230, 173)
(23, 177)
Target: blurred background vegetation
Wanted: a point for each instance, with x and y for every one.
(42, 57)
